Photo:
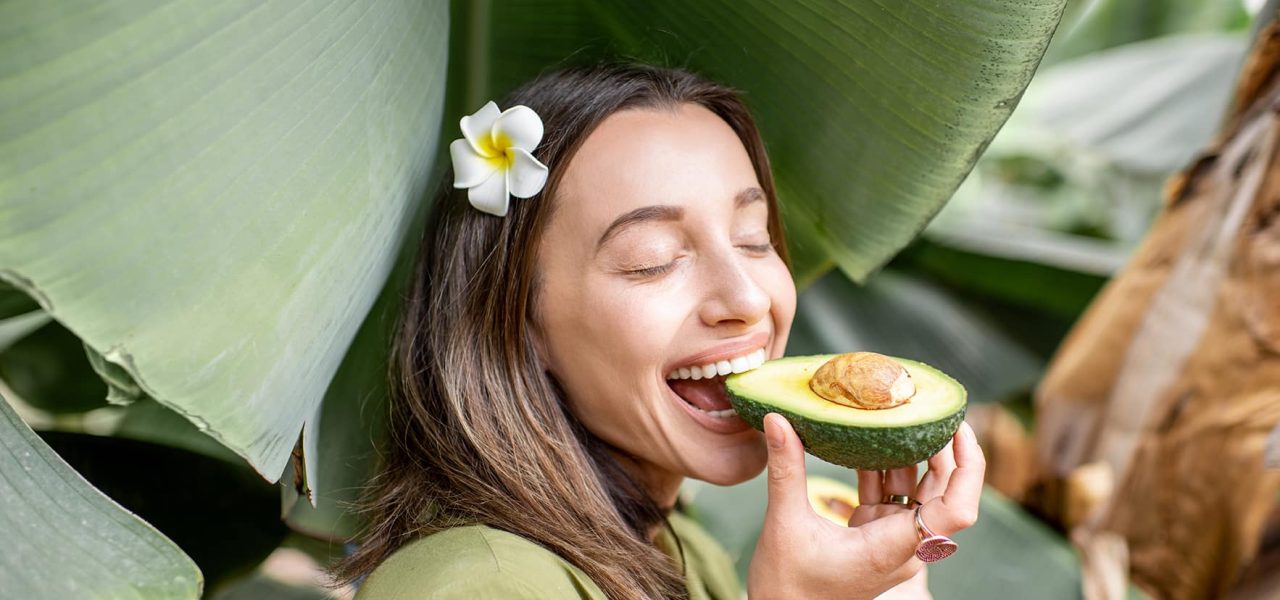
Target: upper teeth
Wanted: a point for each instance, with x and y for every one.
(738, 364)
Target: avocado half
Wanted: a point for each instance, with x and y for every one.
(832, 500)
(857, 438)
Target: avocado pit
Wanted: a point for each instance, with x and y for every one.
(863, 380)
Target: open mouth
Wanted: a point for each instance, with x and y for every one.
(702, 388)
(704, 395)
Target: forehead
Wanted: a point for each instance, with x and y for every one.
(641, 157)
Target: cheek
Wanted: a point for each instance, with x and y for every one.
(608, 344)
(776, 279)
(633, 326)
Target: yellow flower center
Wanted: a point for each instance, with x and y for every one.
(496, 148)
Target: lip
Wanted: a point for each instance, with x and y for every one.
(724, 351)
(721, 425)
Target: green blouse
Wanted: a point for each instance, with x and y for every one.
(482, 563)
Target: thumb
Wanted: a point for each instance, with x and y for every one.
(788, 492)
(894, 539)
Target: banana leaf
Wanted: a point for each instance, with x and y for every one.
(19, 316)
(1145, 107)
(13, 302)
(14, 328)
(149, 421)
(873, 111)
(340, 444)
(211, 195)
(1058, 292)
(48, 370)
(1097, 25)
(65, 539)
(222, 515)
(1071, 183)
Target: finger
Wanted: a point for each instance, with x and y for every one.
(788, 493)
(902, 584)
(909, 569)
(861, 514)
(935, 479)
(866, 513)
(901, 482)
(894, 538)
(870, 487)
(964, 489)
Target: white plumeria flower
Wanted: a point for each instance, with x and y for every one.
(495, 157)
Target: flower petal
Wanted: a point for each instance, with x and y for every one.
(478, 126)
(491, 196)
(469, 169)
(526, 175)
(521, 126)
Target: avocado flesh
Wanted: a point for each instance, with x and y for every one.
(857, 438)
(831, 499)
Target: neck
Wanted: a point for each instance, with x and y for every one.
(661, 485)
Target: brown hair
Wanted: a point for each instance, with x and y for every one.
(479, 430)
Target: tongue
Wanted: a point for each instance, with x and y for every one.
(707, 394)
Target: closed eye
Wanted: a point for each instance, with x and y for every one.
(651, 271)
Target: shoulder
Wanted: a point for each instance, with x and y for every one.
(708, 565)
(698, 541)
(475, 561)
(692, 533)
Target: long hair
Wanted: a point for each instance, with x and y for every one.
(479, 431)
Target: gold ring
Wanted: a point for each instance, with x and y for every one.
(898, 499)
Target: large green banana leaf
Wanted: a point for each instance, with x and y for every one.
(65, 539)
(873, 110)
(1072, 181)
(19, 316)
(13, 329)
(210, 195)
(1129, 90)
(1093, 25)
(36, 369)
(1169, 92)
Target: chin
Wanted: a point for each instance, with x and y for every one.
(733, 465)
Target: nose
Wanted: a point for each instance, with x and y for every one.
(733, 297)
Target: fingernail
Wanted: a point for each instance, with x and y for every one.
(772, 432)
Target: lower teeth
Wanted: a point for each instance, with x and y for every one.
(716, 413)
(728, 412)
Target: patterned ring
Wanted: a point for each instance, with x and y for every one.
(932, 547)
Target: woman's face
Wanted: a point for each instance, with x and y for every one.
(658, 258)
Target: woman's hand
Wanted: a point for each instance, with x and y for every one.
(916, 588)
(802, 555)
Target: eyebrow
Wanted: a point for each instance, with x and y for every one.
(663, 212)
(659, 212)
(747, 196)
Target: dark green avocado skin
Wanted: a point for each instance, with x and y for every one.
(866, 448)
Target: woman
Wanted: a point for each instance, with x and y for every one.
(536, 443)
